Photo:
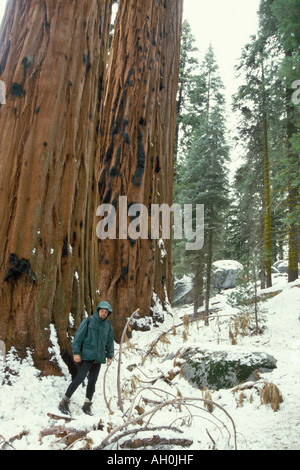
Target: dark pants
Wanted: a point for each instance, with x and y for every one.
(85, 368)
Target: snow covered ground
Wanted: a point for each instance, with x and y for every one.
(26, 398)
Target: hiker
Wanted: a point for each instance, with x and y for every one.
(93, 345)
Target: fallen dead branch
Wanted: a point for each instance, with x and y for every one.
(57, 431)
(67, 437)
(155, 441)
(4, 443)
(144, 429)
(174, 402)
(71, 436)
(60, 418)
(18, 437)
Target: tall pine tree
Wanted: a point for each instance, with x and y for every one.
(204, 174)
(260, 108)
(287, 14)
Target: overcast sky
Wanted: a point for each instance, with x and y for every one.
(2, 8)
(227, 25)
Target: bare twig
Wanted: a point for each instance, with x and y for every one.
(120, 401)
(214, 444)
(18, 437)
(104, 382)
(152, 389)
(177, 401)
(128, 423)
(4, 442)
(193, 320)
(104, 387)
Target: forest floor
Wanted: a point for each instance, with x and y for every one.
(154, 390)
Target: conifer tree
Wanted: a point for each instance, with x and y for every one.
(287, 14)
(187, 72)
(270, 121)
(259, 109)
(204, 177)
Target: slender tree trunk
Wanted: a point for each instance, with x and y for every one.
(299, 244)
(255, 259)
(52, 60)
(137, 148)
(293, 195)
(293, 240)
(208, 272)
(267, 209)
(267, 198)
(198, 287)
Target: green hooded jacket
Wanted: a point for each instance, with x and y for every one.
(94, 340)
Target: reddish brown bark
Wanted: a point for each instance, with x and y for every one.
(137, 145)
(52, 61)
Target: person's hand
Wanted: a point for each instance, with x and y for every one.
(77, 358)
(108, 362)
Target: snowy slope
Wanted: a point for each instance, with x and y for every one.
(26, 398)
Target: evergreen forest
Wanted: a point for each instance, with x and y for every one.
(252, 212)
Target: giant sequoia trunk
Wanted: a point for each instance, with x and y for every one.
(53, 57)
(137, 146)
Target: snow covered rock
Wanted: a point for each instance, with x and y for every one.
(282, 266)
(183, 291)
(142, 324)
(225, 274)
(275, 270)
(224, 369)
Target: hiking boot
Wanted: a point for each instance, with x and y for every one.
(64, 406)
(87, 407)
